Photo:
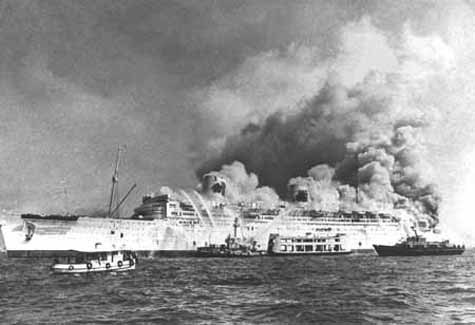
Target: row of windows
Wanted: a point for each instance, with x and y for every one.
(190, 214)
(310, 248)
(188, 222)
(306, 240)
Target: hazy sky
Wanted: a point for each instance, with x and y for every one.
(171, 79)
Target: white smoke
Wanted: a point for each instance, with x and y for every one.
(243, 187)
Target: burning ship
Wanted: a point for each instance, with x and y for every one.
(180, 222)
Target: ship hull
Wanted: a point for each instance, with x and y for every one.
(65, 253)
(311, 254)
(164, 237)
(384, 250)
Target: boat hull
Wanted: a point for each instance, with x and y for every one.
(65, 253)
(383, 250)
(95, 270)
(229, 254)
(73, 269)
(310, 253)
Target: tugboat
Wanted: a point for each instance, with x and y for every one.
(86, 262)
(233, 247)
(306, 245)
(417, 246)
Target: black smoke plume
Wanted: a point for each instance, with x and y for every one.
(340, 140)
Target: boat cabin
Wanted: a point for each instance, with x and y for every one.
(81, 262)
(319, 245)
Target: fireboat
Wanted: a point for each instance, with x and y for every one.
(233, 247)
(417, 246)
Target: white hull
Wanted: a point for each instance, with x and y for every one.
(97, 262)
(82, 268)
(161, 235)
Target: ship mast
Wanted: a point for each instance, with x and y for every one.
(415, 232)
(235, 226)
(115, 181)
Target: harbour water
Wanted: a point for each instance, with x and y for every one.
(273, 290)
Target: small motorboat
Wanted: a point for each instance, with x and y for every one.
(85, 262)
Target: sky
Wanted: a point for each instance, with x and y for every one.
(173, 81)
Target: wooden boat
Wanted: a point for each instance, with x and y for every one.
(306, 245)
(86, 262)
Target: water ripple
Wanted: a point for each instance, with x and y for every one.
(264, 290)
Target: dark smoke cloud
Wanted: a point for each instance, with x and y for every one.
(287, 146)
(350, 138)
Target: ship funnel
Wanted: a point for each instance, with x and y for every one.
(298, 193)
(213, 183)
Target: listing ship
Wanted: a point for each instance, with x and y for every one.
(180, 222)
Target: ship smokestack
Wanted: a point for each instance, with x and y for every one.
(298, 193)
(214, 184)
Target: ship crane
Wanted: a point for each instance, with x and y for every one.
(115, 188)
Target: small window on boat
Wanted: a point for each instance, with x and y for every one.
(337, 248)
(309, 248)
(319, 248)
(299, 248)
(283, 248)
